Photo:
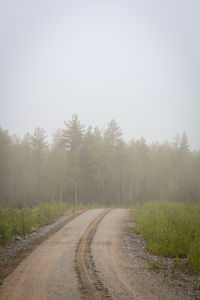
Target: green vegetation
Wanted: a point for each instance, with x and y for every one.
(83, 165)
(171, 229)
(20, 222)
(155, 266)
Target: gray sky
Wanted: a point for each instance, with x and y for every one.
(134, 61)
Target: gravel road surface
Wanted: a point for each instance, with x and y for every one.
(49, 272)
(125, 277)
(86, 259)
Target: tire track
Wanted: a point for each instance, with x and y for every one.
(12, 257)
(90, 284)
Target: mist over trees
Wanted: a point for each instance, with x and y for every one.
(90, 165)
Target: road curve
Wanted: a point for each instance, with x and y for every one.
(49, 271)
(84, 260)
(125, 278)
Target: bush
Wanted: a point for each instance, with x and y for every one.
(171, 229)
(194, 255)
(5, 232)
(19, 222)
(28, 220)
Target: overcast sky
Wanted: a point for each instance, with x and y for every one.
(137, 62)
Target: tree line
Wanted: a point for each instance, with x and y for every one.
(89, 165)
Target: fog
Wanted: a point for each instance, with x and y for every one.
(134, 61)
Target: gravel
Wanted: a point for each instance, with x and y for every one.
(163, 269)
(11, 255)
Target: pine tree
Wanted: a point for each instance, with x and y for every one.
(73, 141)
(39, 147)
(5, 149)
(112, 140)
(184, 146)
(113, 133)
(73, 134)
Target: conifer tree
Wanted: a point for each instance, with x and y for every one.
(73, 141)
(39, 147)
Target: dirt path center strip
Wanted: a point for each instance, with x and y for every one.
(91, 285)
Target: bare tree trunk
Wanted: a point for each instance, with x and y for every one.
(38, 181)
(131, 191)
(61, 193)
(75, 193)
(120, 189)
(103, 190)
(52, 196)
(96, 188)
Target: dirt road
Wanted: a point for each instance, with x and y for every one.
(83, 260)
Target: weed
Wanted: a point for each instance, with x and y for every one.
(171, 229)
(155, 266)
(19, 222)
(197, 286)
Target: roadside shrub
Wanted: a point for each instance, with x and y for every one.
(171, 229)
(27, 219)
(19, 222)
(194, 255)
(5, 229)
(13, 218)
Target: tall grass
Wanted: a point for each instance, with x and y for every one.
(19, 222)
(171, 229)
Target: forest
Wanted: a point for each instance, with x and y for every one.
(92, 165)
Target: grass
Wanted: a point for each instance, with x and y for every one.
(155, 266)
(171, 230)
(20, 222)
